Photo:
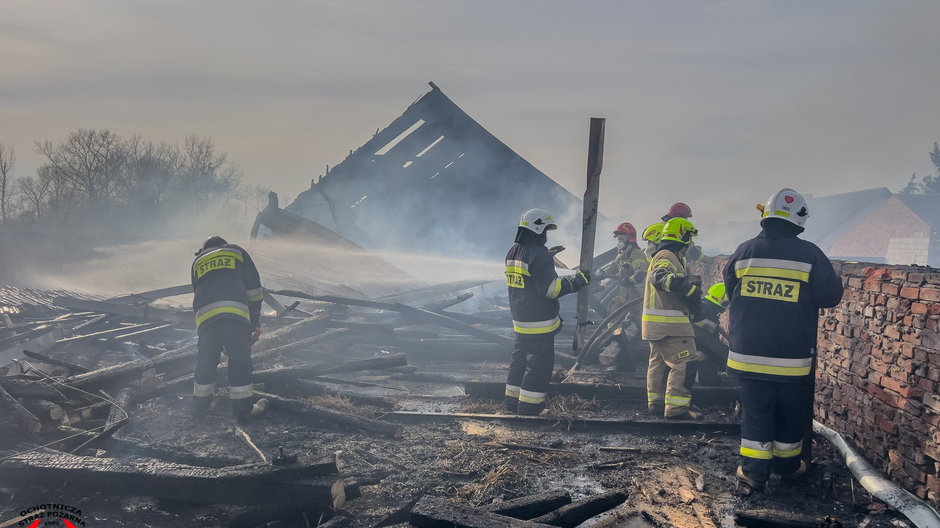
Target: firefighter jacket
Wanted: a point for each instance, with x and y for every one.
(666, 298)
(534, 289)
(777, 283)
(226, 285)
(628, 268)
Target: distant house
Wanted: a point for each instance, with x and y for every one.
(876, 225)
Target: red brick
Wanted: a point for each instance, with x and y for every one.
(890, 289)
(930, 294)
(910, 293)
(918, 308)
(933, 483)
(888, 426)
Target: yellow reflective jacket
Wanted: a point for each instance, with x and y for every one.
(665, 313)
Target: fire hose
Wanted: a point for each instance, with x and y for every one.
(919, 512)
(604, 329)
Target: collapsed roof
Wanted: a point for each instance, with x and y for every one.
(434, 181)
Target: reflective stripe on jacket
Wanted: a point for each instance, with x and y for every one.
(665, 314)
(777, 284)
(534, 289)
(226, 284)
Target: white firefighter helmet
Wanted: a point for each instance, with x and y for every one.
(537, 221)
(785, 204)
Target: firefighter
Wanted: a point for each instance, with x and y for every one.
(671, 300)
(534, 289)
(713, 352)
(677, 210)
(652, 235)
(626, 272)
(227, 303)
(777, 284)
(682, 210)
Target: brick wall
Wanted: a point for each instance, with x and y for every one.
(878, 372)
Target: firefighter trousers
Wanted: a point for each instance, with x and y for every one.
(530, 372)
(773, 419)
(234, 338)
(672, 354)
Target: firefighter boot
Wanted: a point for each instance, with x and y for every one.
(241, 408)
(751, 484)
(798, 473)
(530, 409)
(512, 404)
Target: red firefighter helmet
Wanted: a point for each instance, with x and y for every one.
(679, 210)
(627, 229)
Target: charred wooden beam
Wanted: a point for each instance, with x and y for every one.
(577, 512)
(531, 506)
(421, 314)
(153, 295)
(674, 426)
(305, 388)
(781, 519)
(284, 374)
(437, 306)
(57, 362)
(126, 446)
(32, 389)
(249, 484)
(711, 396)
(329, 415)
(16, 415)
(435, 512)
(46, 411)
(143, 311)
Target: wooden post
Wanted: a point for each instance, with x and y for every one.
(589, 220)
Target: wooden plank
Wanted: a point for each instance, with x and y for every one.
(153, 295)
(130, 447)
(282, 375)
(575, 513)
(53, 361)
(435, 512)
(333, 416)
(143, 311)
(673, 426)
(711, 396)
(531, 506)
(418, 313)
(247, 484)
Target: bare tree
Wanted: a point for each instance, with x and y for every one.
(205, 173)
(7, 161)
(35, 191)
(90, 160)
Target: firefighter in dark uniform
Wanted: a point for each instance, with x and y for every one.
(777, 284)
(534, 289)
(227, 303)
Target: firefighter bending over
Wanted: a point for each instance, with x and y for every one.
(534, 289)
(227, 303)
(671, 300)
(777, 284)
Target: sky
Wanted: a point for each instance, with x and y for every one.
(716, 104)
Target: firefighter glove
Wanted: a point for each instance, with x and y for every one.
(256, 334)
(582, 278)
